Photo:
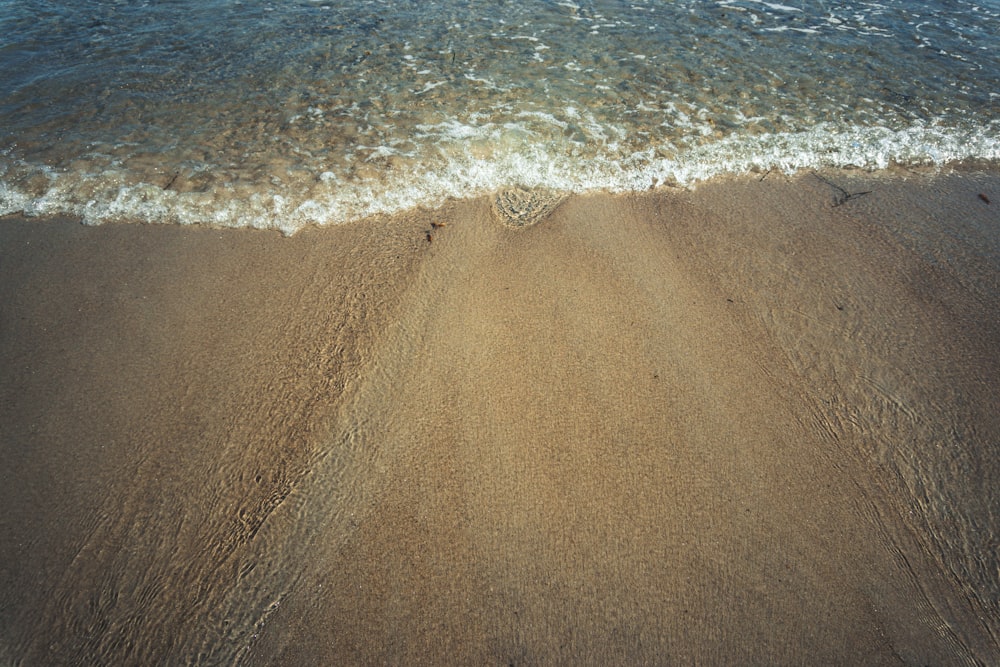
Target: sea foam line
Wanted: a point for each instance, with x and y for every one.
(455, 172)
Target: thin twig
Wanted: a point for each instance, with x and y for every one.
(844, 195)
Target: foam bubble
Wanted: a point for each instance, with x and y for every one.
(516, 159)
(319, 122)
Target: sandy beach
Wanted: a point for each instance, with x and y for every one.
(750, 423)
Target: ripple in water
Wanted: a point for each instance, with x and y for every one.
(279, 115)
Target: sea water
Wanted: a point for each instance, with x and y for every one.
(284, 113)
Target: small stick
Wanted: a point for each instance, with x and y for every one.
(844, 196)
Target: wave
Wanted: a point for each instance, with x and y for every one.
(467, 161)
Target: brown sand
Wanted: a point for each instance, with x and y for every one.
(755, 423)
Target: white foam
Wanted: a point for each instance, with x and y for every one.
(458, 168)
(13, 201)
(429, 86)
(775, 6)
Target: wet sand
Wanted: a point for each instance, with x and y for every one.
(751, 423)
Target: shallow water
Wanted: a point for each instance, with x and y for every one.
(285, 113)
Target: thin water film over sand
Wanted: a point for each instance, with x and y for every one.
(750, 423)
(280, 114)
(634, 332)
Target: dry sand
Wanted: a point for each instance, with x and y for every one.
(755, 423)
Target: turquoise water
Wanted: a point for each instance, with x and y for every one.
(285, 113)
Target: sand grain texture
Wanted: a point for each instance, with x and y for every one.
(739, 424)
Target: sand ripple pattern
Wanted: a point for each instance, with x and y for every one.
(520, 207)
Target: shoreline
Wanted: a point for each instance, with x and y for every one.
(749, 422)
(173, 199)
